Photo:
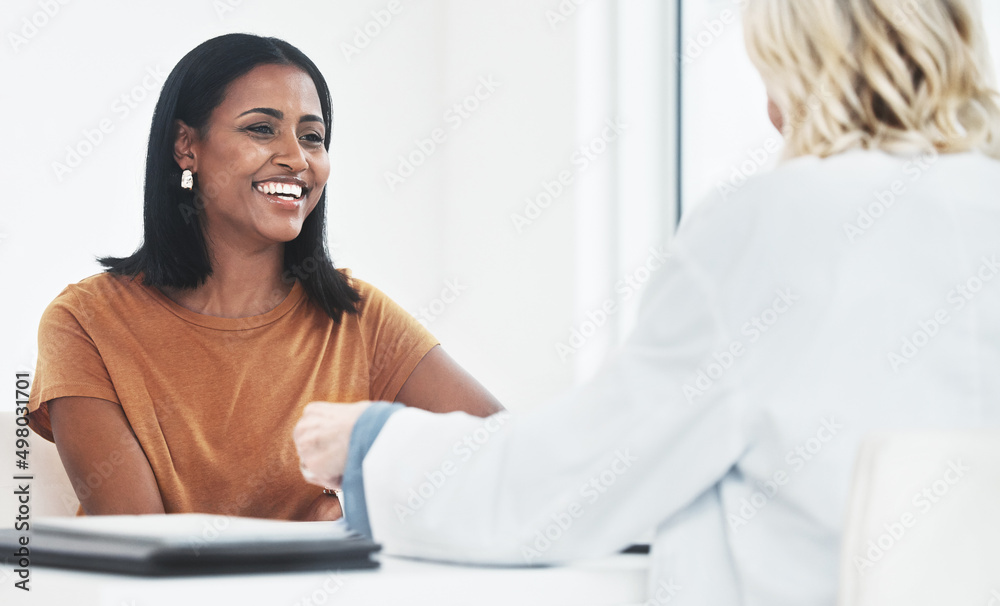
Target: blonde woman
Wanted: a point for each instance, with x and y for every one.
(855, 288)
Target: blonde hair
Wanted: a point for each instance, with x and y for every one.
(898, 75)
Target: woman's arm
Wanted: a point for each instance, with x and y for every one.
(439, 384)
(105, 463)
(584, 475)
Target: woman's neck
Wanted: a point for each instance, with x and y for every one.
(243, 283)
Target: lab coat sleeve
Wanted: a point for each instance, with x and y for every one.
(584, 475)
(366, 429)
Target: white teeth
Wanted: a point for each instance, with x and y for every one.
(286, 189)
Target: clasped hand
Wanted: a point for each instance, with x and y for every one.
(322, 437)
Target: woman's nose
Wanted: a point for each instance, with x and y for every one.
(290, 154)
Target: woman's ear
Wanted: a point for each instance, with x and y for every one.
(775, 115)
(184, 144)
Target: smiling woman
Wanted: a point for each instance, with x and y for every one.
(181, 371)
(280, 157)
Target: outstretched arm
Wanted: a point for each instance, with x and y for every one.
(439, 384)
(585, 475)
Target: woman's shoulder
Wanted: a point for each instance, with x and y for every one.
(375, 305)
(370, 294)
(848, 177)
(104, 286)
(103, 291)
(859, 165)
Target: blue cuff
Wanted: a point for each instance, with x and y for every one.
(366, 429)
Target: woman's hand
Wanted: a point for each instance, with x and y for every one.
(325, 508)
(322, 436)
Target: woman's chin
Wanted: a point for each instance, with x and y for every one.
(283, 233)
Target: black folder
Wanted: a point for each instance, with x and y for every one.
(242, 545)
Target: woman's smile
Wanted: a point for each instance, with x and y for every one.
(267, 134)
(286, 193)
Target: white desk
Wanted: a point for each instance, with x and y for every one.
(618, 581)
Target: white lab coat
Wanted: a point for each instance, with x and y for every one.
(821, 301)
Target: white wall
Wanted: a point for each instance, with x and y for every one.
(449, 221)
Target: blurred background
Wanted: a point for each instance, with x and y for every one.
(575, 133)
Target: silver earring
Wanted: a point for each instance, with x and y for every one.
(187, 180)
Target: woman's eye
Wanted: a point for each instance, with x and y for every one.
(313, 138)
(261, 129)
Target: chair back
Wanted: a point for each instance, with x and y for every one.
(923, 521)
(50, 491)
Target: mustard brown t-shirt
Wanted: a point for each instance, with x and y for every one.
(213, 401)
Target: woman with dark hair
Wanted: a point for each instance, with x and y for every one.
(178, 374)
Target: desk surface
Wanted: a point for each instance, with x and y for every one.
(618, 581)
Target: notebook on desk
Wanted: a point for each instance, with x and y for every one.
(191, 544)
